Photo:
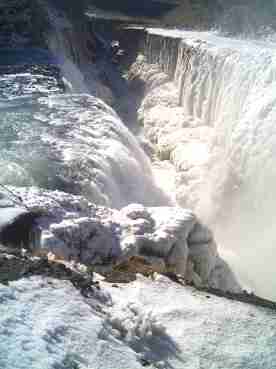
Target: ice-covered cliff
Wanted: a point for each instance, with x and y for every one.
(208, 109)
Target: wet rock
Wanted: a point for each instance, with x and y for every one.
(14, 266)
(126, 271)
(18, 226)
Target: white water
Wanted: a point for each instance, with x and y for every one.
(75, 143)
(78, 144)
(229, 86)
(72, 142)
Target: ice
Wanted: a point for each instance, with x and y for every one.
(213, 120)
(76, 143)
(72, 228)
(191, 330)
(45, 323)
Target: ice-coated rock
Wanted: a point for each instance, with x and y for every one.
(177, 135)
(222, 277)
(204, 259)
(165, 239)
(75, 229)
(151, 77)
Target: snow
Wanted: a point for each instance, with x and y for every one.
(177, 327)
(46, 323)
(72, 228)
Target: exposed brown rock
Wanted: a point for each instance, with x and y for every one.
(126, 271)
(16, 264)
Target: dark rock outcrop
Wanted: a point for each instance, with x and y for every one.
(15, 265)
(22, 23)
(17, 224)
(145, 8)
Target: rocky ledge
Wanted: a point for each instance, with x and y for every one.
(73, 229)
(16, 264)
(22, 23)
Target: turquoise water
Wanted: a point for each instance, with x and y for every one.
(25, 76)
(65, 141)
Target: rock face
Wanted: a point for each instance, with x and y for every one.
(143, 8)
(21, 23)
(236, 16)
(169, 238)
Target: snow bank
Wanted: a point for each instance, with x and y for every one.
(45, 323)
(176, 327)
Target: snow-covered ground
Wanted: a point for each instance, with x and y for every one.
(46, 323)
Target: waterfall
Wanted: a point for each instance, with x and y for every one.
(224, 139)
(56, 132)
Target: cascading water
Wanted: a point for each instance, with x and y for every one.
(56, 311)
(222, 139)
(55, 137)
(65, 141)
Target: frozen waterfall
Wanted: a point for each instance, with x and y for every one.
(102, 262)
(215, 121)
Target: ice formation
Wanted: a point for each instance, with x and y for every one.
(55, 136)
(212, 121)
(76, 143)
(75, 229)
